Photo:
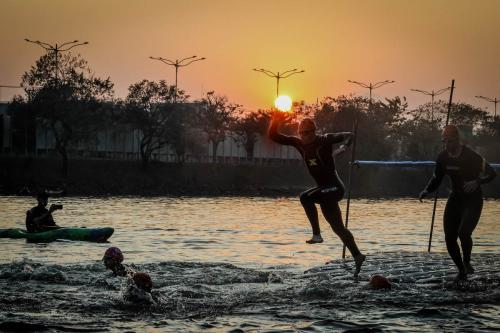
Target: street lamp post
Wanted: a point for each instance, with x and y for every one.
(279, 75)
(57, 49)
(432, 94)
(491, 100)
(178, 63)
(371, 86)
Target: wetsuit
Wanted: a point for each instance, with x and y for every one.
(463, 209)
(329, 190)
(122, 270)
(42, 225)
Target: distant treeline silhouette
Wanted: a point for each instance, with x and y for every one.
(75, 105)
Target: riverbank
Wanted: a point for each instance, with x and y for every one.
(122, 178)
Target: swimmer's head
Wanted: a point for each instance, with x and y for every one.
(112, 258)
(143, 281)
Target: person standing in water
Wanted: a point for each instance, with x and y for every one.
(467, 171)
(318, 154)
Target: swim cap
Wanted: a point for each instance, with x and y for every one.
(143, 281)
(113, 253)
(307, 124)
(450, 132)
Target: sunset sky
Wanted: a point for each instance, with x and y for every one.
(419, 44)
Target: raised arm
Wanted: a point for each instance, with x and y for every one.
(278, 137)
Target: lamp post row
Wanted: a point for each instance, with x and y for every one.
(57, 49)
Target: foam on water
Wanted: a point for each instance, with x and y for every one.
(241, 265)
(222, 297)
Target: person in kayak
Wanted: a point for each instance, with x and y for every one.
(317, 152)
(467, 171)
(39, 218)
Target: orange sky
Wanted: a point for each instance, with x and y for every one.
(419, 44)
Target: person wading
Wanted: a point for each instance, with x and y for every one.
(467, 171)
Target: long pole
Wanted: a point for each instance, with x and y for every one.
(437, 191)
(349, 179)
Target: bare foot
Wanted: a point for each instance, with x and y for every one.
(359, 259)
(468, 268)
(315, 239)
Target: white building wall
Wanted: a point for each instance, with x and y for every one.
(126, 142)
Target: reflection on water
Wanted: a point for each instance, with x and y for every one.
(249, 232)
(241, 265)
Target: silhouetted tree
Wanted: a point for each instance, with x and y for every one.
(150, 107)
(67, 105)
(214, 117)
(247, 127)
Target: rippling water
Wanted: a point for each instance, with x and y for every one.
(241, 265)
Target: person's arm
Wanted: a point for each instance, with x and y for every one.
(345, 138)
(278, 137)
(487, 175)
(435, 181)
(37, 220)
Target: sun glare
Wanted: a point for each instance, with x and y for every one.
(283, 103)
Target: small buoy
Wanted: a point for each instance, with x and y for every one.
(380, 282)
(143, 281)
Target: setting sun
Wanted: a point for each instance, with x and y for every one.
(283, 103)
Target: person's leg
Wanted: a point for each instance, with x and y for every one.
(331, 212)
(470, 219)
(451, 225)
(307, 200)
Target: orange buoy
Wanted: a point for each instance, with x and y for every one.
(380, 282)
(143, 281)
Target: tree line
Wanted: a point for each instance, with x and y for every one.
(71, 102)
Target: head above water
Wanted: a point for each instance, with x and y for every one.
(112, 258)
(307, 130)
(42, 198)
(143, 281)
(451, 138)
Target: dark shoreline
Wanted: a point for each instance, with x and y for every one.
(103, 178)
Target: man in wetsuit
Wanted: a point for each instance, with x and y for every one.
(39, 218)
(467, 171)
(317, 152)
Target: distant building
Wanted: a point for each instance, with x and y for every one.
(5, 129)
(123, 142)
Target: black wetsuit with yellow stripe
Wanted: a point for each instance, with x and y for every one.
(329, 190)
(463, 209)
(317, 155)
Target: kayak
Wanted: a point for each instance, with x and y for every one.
(76, 234)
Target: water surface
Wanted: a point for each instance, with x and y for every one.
(241, 265)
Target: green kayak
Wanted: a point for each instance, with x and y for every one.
(76, 234)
